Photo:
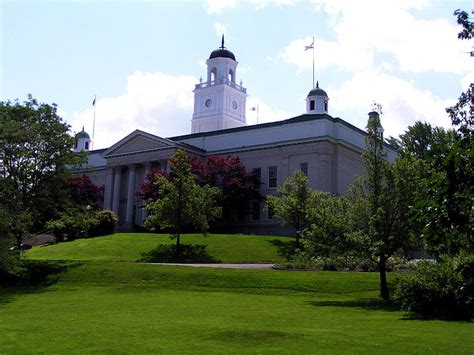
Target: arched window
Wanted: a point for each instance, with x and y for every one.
(231, 76)
(326, 106)
(213, 74)
(311, 105)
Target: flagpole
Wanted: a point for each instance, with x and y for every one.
(93, 123)
(311, 46)
(313, 62)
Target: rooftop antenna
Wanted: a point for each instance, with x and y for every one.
(93, 122)
(222, 44)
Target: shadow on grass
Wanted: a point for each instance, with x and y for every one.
(369, 304)
(37, 277)
(165, 253)
(284, 249)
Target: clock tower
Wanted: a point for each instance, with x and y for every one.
(219, 102)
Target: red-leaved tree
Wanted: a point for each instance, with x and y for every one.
(149, 190)
(238, 187)
(84, 192)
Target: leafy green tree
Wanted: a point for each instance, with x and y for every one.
(379, 204)
(447, 209)
(444, 208)
(35, 151)
(326, 234)
(181, 201)
(290, 205)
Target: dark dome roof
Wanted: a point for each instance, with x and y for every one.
(222, 53)
(317, 91)
(82, 134)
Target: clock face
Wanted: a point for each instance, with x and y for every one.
(234, 105)
(208, 102)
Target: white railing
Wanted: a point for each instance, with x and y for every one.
(219, 82)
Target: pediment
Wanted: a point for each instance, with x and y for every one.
(138, 141)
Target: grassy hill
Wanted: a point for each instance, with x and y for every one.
(131, 247)
(96, 299)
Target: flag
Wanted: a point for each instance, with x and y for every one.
(253, 108)
(311, 46)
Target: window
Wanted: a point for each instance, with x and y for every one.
(272, 177)
(311, 105)
(257, 172)
(87, 146)
(325, 106)
(304, 168)
(255, 211)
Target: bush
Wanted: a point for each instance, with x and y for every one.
(82, 223)
(106, 223)
(443, 289)
(348, 261)
(73, 224)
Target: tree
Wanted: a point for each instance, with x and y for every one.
(291, 203)
(181, 201)
(326, 234)
(444, 209)
(422, 141)
(149, 190)
(35, 154)
(237, 186)
(379, 204)
(83, 191)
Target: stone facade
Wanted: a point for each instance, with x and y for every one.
(327, 149)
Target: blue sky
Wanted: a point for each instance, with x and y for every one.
(142, 59)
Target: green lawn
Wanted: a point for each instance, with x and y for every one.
(131, 246)
(104, 303)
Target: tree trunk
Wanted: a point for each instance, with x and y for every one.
(178, 249)
(383, 280)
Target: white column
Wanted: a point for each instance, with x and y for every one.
(164, 166)
(109, 189)
(147, 170)
(116, 194)
(130, 194)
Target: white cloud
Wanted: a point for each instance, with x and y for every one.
(216, 6)
(265, 112)
(222, 29)
(261, 4)
(349, 57)
(157, 103)
(467, 81)
(402, 102)
(387, 27)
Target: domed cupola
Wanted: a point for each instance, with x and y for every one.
(221, 65)
(222, 52)
(317, 101)
(83, 141)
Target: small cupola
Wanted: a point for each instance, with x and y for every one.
(83, 141)
(221, 66)
(317, 101)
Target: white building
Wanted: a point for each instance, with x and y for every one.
(327, 149)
